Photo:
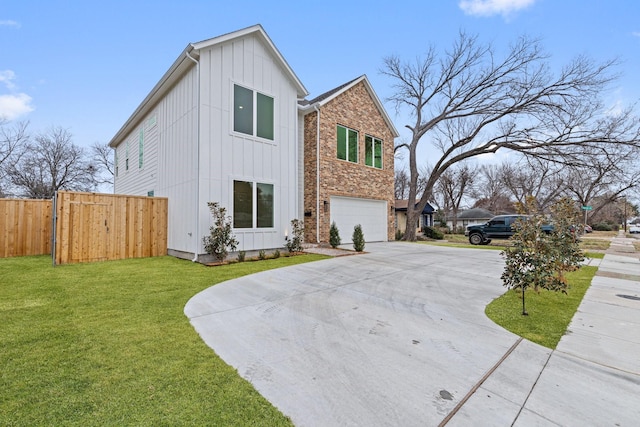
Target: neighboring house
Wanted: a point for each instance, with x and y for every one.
(471, 217)
(348, 164)
(224, 124)
(425, 219)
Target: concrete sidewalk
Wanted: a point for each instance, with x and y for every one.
(398, 336)
(593, 376)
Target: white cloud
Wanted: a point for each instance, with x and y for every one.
(14, 106)
(9, 23)
(6, 77)
(636, 33)
(493, 7)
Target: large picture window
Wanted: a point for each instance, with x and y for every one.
(373, 152)
(347, 144)
(252, 205)
(258, 121)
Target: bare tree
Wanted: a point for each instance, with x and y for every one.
(490, 192)
(103, 160)
(468, 103)
(603, 176)
(401, 184)
(535, 177)
(13, 140)
(52, 162)
(453, 185)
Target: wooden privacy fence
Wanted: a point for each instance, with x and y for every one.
(100, 227)
(25, 227)
(86, 227)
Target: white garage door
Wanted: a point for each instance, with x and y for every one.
(347, 212)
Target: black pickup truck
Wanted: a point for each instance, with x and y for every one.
(498, 227)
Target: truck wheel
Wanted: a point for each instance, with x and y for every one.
(475, 239)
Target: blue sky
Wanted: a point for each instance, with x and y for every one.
(86, 65)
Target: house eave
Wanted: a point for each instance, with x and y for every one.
(183, 64)
(179, 67)
(308, 108)
(262, 34)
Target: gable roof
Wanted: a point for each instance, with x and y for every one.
(258, 31)
(307, 105)
(187, 59)
(475, 213)
(401, 206)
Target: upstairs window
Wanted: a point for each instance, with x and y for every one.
(347, 144)
(253, 113)
(373, 152)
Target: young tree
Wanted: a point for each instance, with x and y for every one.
(220, 239)
(468, 102)
(334, 235)
(294, 243)
(539, 259)
(358, 238)
(52, 162)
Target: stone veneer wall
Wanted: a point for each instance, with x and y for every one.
(356, 110)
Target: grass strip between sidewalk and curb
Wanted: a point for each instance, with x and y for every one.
(549, 312)
(108, 344)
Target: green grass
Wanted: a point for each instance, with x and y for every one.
(549, 312)
(108, 344)
(594, 255)
(599, 242)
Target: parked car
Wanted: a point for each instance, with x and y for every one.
(588, 229)
(498, 227)
(634, 228)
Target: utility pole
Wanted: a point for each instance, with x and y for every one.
(625, 214)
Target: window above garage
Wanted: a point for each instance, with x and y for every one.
(347, 144)
(373, 151)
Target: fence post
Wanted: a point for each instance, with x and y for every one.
(54, 204)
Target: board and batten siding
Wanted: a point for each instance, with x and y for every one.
(169, 159)
(226, 156)
(192, 167)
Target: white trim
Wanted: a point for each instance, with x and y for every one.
(254, 204)
(182, 64)
(373, 95)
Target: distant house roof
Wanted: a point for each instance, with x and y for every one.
(474, 214)
(401, 206)
(307, 105)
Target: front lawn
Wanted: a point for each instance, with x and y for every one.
(108, 344)
(549, 312)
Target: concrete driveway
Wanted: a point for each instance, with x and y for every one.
(396, 337)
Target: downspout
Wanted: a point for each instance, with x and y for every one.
(315, 107)
(197, 235)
